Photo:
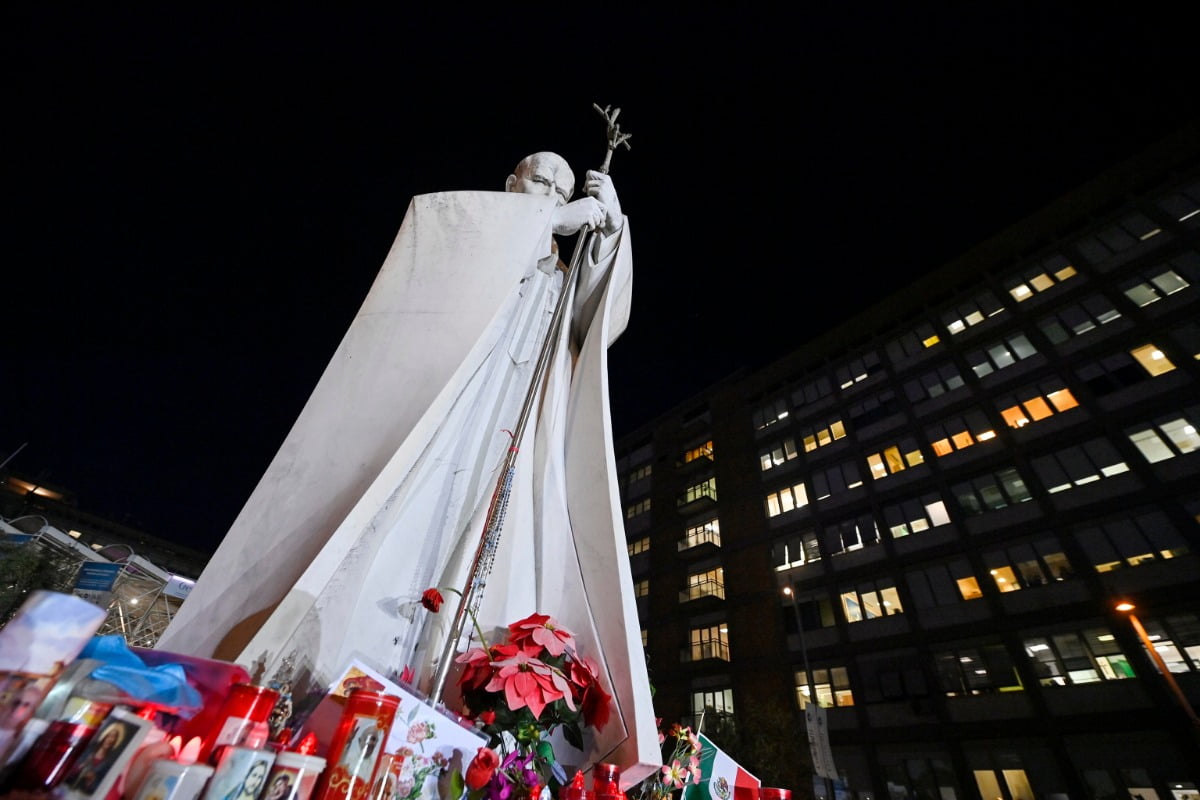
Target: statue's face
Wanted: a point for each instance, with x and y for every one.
(544, 174)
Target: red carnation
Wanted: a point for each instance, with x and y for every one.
(432, 600)
(487, 717)
(479, 772)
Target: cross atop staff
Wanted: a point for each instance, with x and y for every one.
(615, 137)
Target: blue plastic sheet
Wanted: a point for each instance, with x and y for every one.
(165, 685)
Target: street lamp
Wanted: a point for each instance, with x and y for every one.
(1127, 608)
(812, 689)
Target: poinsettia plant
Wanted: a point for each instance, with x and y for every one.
(520, 692)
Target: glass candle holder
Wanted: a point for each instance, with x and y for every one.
(772, 793)
(606, 779)
(245, 708)
(294, 776)
(57, 748)
(171, 780)
(356, 747)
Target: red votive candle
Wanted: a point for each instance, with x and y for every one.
(357, 746)
(772, 793)
(606, 779)
(56, 750)
(245, 706)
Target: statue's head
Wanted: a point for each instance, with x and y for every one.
(543, 173)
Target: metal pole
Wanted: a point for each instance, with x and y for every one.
(812, 686)
(1162, 668)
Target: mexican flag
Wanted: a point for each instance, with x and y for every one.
(721, 778)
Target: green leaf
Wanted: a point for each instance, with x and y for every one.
(573, 735)
(457, 785)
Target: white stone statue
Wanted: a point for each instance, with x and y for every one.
(380, 489)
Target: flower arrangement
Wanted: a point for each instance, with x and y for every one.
(679, 768)
(520, 692)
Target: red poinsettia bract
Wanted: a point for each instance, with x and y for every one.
(529, 681)
(537, 631)
(478, 670)
(593, 700)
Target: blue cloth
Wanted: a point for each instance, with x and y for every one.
(165, 685)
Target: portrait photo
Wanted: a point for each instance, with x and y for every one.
(362, 749)
(106, 755)
(241, 774)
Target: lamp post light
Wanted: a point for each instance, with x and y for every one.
(1127, 608)
(808, 677)
(812, 687)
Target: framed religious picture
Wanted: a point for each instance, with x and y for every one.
(241, 774)
(106, 756)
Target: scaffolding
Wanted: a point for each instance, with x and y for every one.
(143, 597)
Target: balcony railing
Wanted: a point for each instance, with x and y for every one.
(699, 538)
(704, 650)
(709, 587)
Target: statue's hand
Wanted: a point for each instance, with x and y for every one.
(599, 185)
(584, 213)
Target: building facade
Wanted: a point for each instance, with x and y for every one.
(926, 518)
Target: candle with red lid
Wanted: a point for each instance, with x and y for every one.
(357, 746)
(244, 708)
(56, 750)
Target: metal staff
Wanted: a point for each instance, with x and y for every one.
(489, 540)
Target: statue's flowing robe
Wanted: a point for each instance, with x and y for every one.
(380, 489)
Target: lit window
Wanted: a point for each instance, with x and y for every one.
(780, 453)
(969, 588)
(707, 489)
(640, 546)
(915, 515)
(795, 551)
(1152, 359)
(640, 507)
(707, 532)
(849, 535)
(832, 687)
(713, 700)
(893, 460)
(709, 583)
(786, 499)
(703, 451)
(1154, 287)
(1051, 272)
(1088, 656)
(709, 642)
(1038, 407)
(823, 435)
(641, 588)
(870, 601)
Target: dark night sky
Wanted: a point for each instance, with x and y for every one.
(198, 201)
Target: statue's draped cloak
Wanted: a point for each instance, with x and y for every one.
(380, 488)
